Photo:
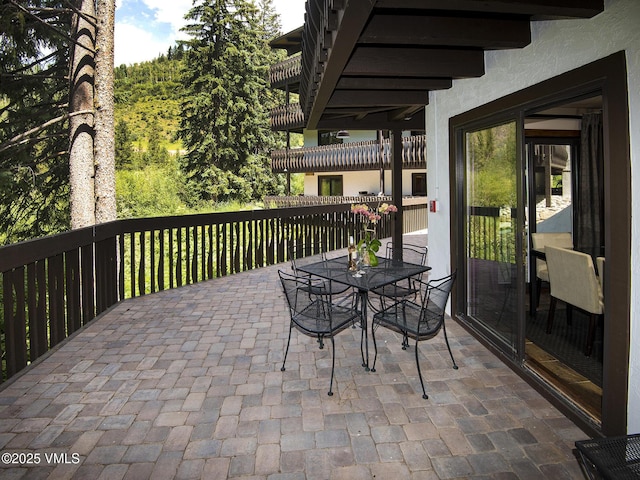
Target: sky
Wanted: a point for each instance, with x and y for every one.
(147, 28)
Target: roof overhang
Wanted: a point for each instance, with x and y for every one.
(370, 64)
(291, 41)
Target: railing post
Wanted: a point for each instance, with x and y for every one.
(396, 192)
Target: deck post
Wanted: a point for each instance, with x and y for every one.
(396, 192)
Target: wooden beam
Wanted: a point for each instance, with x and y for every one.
(381, 120)
(404, 113)
(488, 33)
(377, 98)
(392, 83)
(352, 21)
(536, 8)
(416, 62)
(346, 111)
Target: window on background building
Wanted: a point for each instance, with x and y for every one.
(419, 184)
(330, 185)
(329, 138)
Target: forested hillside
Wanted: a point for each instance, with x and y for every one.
(148, 178)
(148, 100)
(153, 176)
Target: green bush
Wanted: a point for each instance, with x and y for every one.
(155, 190)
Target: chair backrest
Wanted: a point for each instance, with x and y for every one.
(410, 253)
(573, 279)
(297, 260)
(600, 265)
(540, 240)
(434, 302)
(296, 290)
(438, 292)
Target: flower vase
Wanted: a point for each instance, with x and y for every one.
(372, 258)
(368, 247)
(368, 254)
(364, 255)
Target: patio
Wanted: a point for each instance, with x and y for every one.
(187, 384)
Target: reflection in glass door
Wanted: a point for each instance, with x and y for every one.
(491, 229)
(552, 181)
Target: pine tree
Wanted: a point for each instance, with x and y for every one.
(225, 115)
(47, 114)
(124, 145)
(34, 135)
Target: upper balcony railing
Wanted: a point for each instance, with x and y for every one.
(53, 286)
(369, 155)
(414, 209)
(287, 117)
(286, 72)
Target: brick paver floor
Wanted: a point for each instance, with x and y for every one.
(187, 384)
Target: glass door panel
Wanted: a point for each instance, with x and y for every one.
(553, 168)
(553, 184)
(491, 228)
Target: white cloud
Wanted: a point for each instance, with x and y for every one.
(135, 45)
(291, 13)
(171, 12)
(143, 41)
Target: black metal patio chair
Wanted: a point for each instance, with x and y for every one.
(418, 321)
(315, 315)
(409, 288)
(318, 286)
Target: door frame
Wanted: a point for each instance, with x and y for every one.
(607, 77)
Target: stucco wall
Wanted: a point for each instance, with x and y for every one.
(355, 182)
(556, 47)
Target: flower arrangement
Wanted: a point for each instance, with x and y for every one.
(369, 244)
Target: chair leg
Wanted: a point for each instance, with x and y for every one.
(405, 335)
(424, 393)
(538, 291)
(551, 314)
(593, 322)
(446, 339)
(375, 347)
(286, 351)
(333, 365)
(405, 341)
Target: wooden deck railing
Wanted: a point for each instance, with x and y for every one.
(51, 287)
(414, 208)
(368, 155)
(286, 72)
(490, 233)
(287, 117)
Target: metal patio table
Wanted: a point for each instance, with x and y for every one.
(612, 458)
(387, 272)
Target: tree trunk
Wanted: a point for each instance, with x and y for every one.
(81, 165)
(105, 177)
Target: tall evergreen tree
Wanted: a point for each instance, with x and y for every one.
(124, 145)
(81, 101)
(225, 114)
(104, 142)
(46, 115)
(156, 153)
(34, 135)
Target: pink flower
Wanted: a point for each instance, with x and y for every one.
(385, 208)
(373, 216)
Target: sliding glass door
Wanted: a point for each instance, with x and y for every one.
(488, 233)
(491, 229)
